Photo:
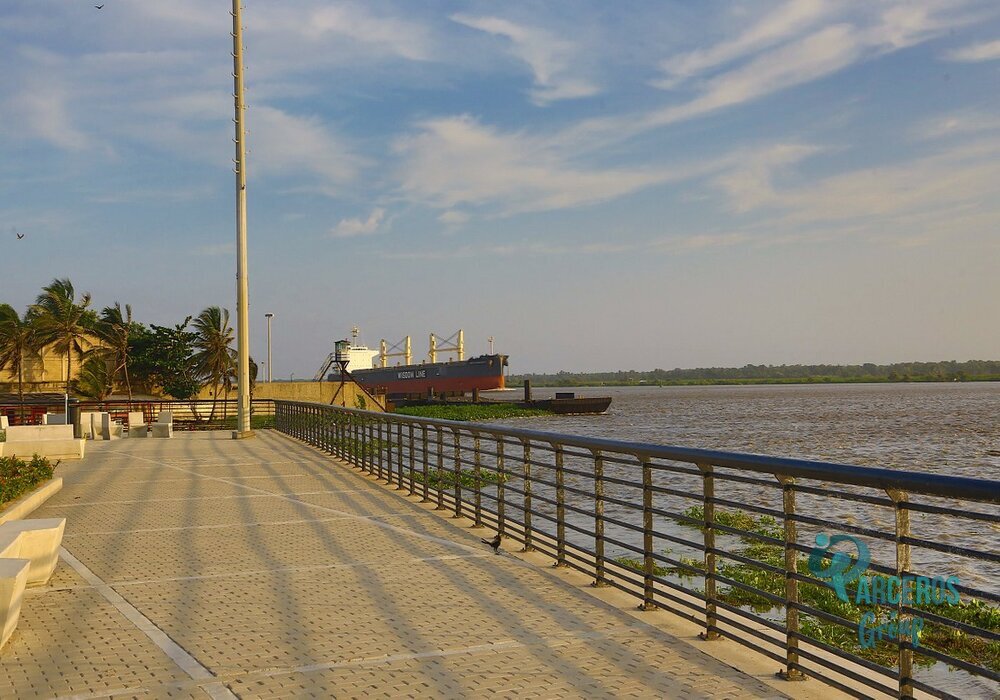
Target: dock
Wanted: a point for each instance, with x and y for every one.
(202, 566)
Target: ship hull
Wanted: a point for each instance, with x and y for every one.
(435, 378)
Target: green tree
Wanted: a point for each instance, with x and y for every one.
(62, 322)
(161, 356)
(215, 359)
(114, 329)
(17, 343)
(95, 380)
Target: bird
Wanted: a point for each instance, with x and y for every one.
(494, 543)
(20, 236)
(99, 7)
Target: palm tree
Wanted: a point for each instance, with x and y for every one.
(214, 358)
(60, 321)
(114, 330)
(17, 342)
(95, 380)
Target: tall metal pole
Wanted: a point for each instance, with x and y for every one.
(242, 311)
(268, 317)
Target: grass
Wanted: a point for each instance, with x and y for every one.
(821, 596)
(256, 423)
(18, 476)
(472, 412)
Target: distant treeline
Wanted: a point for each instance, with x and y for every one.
(973, 370)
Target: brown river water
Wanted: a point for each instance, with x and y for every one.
(941, 428)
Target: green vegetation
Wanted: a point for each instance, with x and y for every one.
(472, 412)
(18, 477)
(973, 370)
(822, 597)
(256, 423)
(443, 478)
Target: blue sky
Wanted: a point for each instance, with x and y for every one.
(597, 185)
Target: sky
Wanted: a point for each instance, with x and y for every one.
(596, 185)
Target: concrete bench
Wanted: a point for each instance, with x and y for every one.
(13, 576)
(110, 429)
(46, 440)
(164, 425)
(29, 552)
(4, 422)
(136, 425)
(36, 540)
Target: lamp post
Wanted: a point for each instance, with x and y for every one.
(242, 310)
(269, 317)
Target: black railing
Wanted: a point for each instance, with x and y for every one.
(732, 542)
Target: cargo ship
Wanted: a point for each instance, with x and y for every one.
(370, 368)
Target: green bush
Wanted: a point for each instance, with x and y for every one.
(17, 476)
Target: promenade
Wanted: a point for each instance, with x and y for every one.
(207, 567)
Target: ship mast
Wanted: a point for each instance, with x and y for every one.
(242, 311)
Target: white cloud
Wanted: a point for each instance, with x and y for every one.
(785, 22)
(283, 143)
(552, 60)
(974, 53)
(348, 228)
(457, 161)
(45, 114)
(958, 123)
(453, 217)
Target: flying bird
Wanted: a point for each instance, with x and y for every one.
(20, 236)
(494, 543)
(99, 7)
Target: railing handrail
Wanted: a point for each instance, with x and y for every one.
(962, 487)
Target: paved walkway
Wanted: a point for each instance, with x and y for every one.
(208, 567)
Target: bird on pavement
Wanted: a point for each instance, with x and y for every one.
(494, 543)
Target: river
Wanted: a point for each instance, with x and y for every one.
(943, 428)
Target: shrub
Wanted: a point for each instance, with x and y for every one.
(18, 476)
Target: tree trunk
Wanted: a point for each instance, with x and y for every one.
(128, 385)
(215, 398)
(69, 365)
(20, 388)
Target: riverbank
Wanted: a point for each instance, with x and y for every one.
(515, 382)
(473, 412)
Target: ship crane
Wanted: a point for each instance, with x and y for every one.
(458, 348)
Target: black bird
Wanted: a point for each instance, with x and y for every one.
(20, 236)
(494, 543)
(99, 7)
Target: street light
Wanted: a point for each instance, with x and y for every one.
(268, 317)
(242, 292)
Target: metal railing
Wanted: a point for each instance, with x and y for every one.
(721, 539)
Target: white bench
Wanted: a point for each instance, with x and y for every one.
(45, 440)
(136, 425)
(164, 425)
(29, 552)
(4, 422)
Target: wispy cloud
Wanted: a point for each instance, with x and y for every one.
(953, 124)
(784, 22)
(458, 161)
(975, 53)
(348, 228)
(453, 217)
(552, 59)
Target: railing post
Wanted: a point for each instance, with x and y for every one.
(708, 509)
(440, 469)
(383, 461)
(560, 508)
(501, 478)
(399, 457)
(458, 475)
(599, 581)
(477, 481)
(904, 620)
(526, 473)
(411, 484)
(649, 563)
(423, 430)
(791, 671)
